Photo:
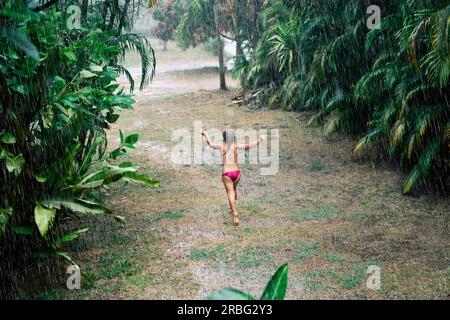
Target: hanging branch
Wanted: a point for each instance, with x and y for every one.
(227, 37)
(114, 8)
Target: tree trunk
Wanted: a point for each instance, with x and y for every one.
(124, 16)
(223, 85)
(113, 8)
(237, 35)
(239, 51)
(84, 11)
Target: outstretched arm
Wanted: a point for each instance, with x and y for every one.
(247, 146)
(208, 141)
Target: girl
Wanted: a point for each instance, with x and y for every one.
(230, 171)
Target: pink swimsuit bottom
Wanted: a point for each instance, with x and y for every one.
(233, 175)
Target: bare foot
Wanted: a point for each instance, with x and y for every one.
(235, 219)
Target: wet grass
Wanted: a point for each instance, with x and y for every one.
(316, 166)
(118, 262)
(254, 257)
(334, 258)
(306, 250)
(248, 257)
(322, 213)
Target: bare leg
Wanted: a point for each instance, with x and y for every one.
(229, 187)
(235, 187)
(235, 184)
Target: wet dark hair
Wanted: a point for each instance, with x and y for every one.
(229, 137)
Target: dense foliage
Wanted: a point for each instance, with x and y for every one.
(58, 98)
(389, 85)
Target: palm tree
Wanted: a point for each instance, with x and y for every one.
(389, 85)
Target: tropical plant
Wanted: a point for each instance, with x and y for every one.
(275, 289)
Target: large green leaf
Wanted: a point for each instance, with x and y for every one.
(65, 255)
(229, 294)
(69, 54)
(7, 138)
(121, 101)
(44, 218)
(104, 176)
(132, 138)
(276, 288)
(70, 236)
(15, 164)
(140, 178)
(87, 74)
(122, 138)
(119, 152)
(76, 205)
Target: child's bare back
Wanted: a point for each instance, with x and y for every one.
(231, 174)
